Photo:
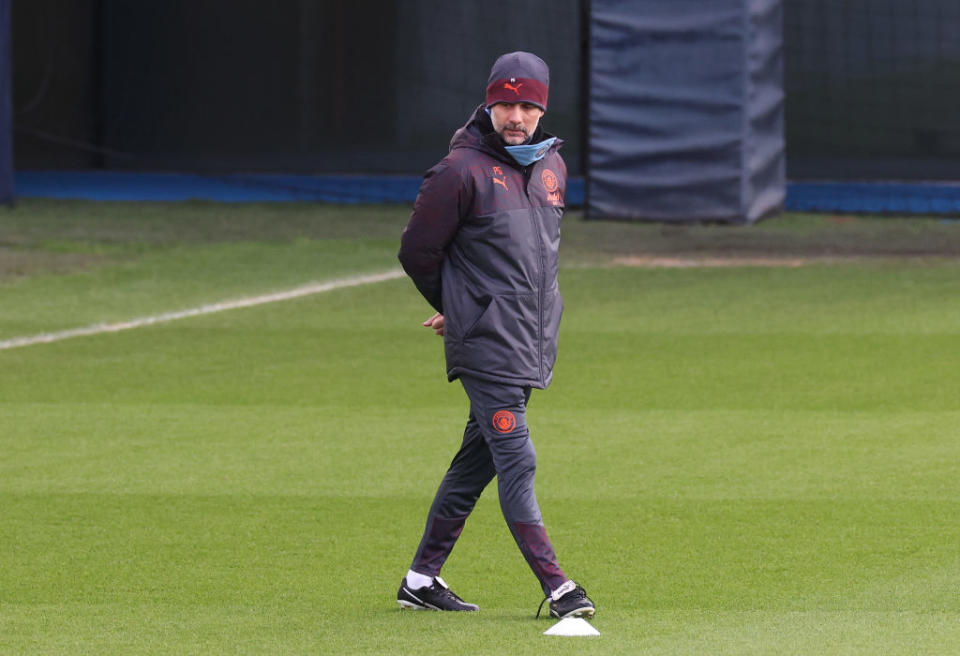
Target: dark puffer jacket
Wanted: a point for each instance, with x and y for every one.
(481, 246)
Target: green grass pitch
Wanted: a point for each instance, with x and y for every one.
(732, 460)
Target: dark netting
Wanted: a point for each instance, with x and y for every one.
(872, 89)
(6, 150)
(303, 86)
(444, 53)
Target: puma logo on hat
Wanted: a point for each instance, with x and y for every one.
(519, 77)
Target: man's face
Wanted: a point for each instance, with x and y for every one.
(515, 122)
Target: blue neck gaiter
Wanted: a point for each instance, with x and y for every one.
(527, 154)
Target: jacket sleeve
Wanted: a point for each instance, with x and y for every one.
(441, 203)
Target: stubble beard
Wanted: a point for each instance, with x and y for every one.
(514, 140)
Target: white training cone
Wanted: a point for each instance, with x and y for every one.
(572, 626)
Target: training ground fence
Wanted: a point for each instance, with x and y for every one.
(852, 103)
(873, 89)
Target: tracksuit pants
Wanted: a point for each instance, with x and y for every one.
(497, 443)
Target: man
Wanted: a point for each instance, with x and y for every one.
(481, 246)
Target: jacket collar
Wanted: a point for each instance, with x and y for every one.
(478, 133)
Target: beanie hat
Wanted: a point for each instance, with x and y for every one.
(519, 77)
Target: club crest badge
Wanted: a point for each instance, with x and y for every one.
(549, 180)
(504, 421)
(552, 185)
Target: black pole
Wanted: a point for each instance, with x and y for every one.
(7, 191)
(585, 103)
(98, 79)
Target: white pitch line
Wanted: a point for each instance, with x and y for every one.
(298, 292)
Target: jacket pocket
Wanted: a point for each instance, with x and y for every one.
(507, 315)
(462, 309)
(482, 305)
(505, 339)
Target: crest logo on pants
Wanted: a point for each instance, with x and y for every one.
(504, 421)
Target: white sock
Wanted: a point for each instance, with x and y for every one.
(416, 581)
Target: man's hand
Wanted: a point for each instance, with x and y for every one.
(435, 322)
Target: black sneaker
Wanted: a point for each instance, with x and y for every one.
(437, 596)
(571, 600)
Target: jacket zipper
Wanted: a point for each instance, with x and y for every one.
(541, 275)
